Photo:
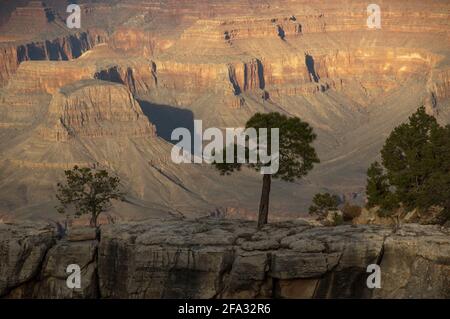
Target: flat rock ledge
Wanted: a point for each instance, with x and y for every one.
(210, 258)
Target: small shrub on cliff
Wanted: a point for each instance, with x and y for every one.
(89, 191)
(338, 220)
(415, 168)
(350, 211)
(323, 203)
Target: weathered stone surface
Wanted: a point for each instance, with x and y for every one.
(416, 263)
(141, 256)
(206, 258)
(218, 61)
(288, 265)
(296, 289)
(248, 276)
(268, 244)
(50, 280)
(22, 252)
(311, 246)
(81, 234)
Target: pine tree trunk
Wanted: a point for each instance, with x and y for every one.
(93, 221)
(264, 203)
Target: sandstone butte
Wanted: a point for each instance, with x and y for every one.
(109, 94)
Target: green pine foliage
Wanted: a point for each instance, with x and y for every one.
(415, 167)
(88, 191)
(323, 203)
(297, 156)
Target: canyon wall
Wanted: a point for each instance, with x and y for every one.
(61, 48)
(439, 88)
(299, 51)
(296, 44)
(210, 258)
(139, 42)
(370, 71)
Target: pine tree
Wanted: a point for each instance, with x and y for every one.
(296, 154)
(408, 156)
(415, 170)
(377, 189)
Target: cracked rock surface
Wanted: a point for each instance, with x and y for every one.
(209, 258)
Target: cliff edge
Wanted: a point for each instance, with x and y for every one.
(208, 258)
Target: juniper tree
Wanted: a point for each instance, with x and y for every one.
(88, 191)
(322, 203)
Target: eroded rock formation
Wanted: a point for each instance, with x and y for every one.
(218, 61)
(210, 258)
(77, 110)
(37, 32)
(63, 48)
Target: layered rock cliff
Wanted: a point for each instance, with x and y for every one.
(93, 109)
(37, 32)
(62, 48)
(209, 258)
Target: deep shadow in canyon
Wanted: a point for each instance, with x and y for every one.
(167, 118)
(309, 62)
